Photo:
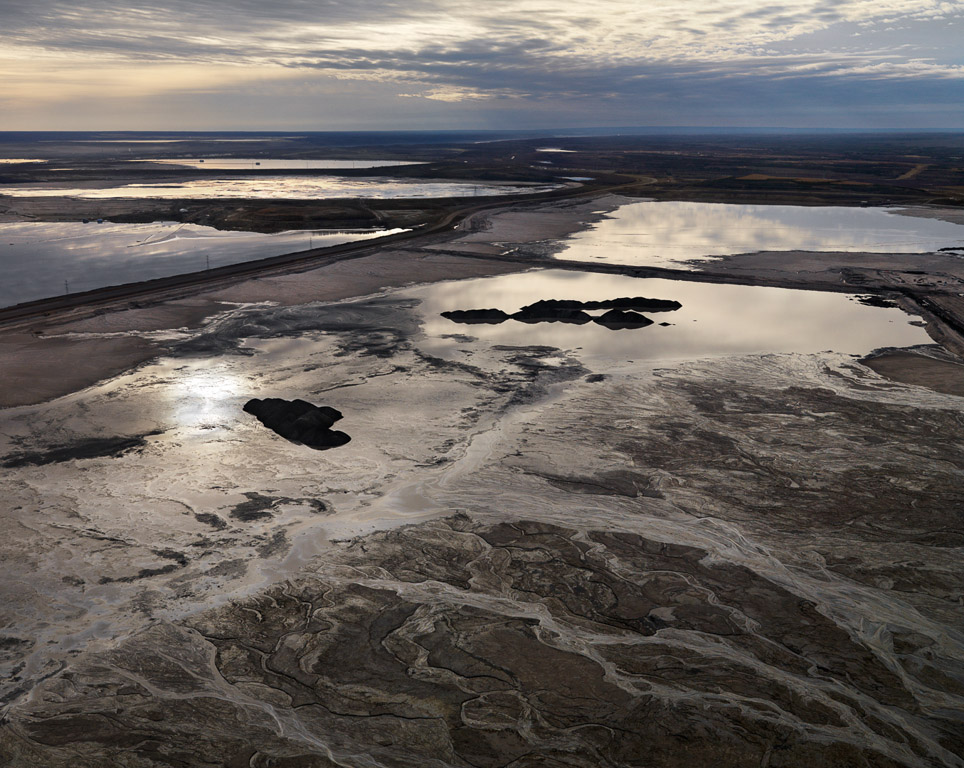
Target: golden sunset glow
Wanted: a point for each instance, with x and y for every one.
(451, 61)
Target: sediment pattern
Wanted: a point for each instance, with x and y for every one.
(734, 561)
(522, 643)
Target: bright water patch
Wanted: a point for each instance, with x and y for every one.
(715, 320)
(43, 259)
(276, 164)
(664, 234)
(285, 187)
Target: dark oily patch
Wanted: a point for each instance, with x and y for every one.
(384, 319)
(259, 506)
(211, 519)
(299, 421)
(180, 561)
(9, 643)
(274, 544)
(377, 342)
(612, 483)
(91, 448)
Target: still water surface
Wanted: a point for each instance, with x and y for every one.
(663, 234)
(277, 164)
(42, 259)
(284, 187)
(714, 320)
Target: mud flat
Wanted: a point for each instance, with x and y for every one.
(529, 554)
(708, 560)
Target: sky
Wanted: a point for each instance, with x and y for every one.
(471, 64)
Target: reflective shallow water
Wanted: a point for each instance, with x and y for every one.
(714, 320)
(284, 187)
(268, 164)
(42, 259)
(666, 233)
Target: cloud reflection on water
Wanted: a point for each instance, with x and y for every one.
(666, 233)
(714, 320)
(284, 188)
(40, 257)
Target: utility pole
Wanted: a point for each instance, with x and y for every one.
(66, 287)
(207, 259)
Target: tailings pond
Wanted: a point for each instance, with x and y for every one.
(668, 234)
(713, 320)
(277, 164)
(282, 188)
(43, 259)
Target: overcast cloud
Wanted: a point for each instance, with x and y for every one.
(323, 64)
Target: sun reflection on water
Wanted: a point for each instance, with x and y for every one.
(205, 395)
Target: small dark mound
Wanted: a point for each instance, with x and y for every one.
(616, 319)
(873, 300)
(476, 316)
(636, 303)
(550, 312)
(546, 304)
(299, 421)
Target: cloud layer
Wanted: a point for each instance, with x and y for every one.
(747, 62)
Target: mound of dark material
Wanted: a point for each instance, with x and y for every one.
(299, 421)
(473, 316)
(545, 312)
(623, 312)
(616, 319)
(637, 303)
